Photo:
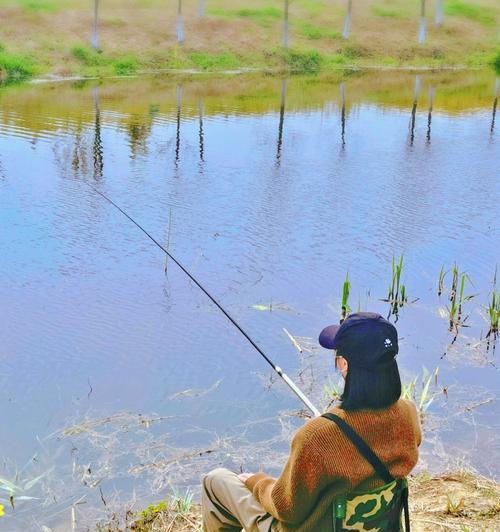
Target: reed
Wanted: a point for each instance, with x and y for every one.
(457, 297)
(454, 282)
(442, 275)
(423, 397)
(397, 295)
(494, 311)
(346, 288)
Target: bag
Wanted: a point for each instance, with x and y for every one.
(378, 510)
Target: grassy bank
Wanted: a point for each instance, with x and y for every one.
(53, 36)
(460, 501)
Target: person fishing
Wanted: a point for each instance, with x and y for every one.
(340, 460)
(365, 445)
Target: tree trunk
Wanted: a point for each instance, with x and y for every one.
(95, 27)
(439, 12)
(201, 8)
(286, 41)
(422, 25)
(347, 22)
(180, 23)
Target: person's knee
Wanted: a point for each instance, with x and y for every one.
(217, 473)
(216, 478)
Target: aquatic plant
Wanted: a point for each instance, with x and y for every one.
(182, 502)
(424, 398)
(18, 490)
(442, 275)
(494, 311)
(396, 295)
(346, 287)
(457, 298)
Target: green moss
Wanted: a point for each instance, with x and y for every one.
(206, 61)
(15, 67)
(481, 14)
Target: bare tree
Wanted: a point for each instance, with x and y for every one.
(286, 40)
(180, 23)
(95, 26)
(422, 25)
(201, 8)
(347, 21)
(439, 12)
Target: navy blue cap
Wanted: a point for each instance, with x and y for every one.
(365, 339)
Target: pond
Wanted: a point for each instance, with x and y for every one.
(120, 381)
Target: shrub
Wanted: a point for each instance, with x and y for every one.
(15, 67)
(304, 61)
(86, 56)
(126, 66)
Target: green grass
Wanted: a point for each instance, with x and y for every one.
(385, 12)
(262, 16)
(223, 61)
(15, 67)
(41, 6)
(126, 66)
(421, 395)
(87, 56)
(479, 14)
(312, 32)
(495, 63)
(303, 60)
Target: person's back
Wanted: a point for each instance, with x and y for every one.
(323, 462)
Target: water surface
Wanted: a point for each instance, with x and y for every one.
(269, 191)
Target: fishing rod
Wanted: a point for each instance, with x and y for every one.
(296, 390)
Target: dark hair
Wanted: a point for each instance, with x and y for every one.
(371, 389)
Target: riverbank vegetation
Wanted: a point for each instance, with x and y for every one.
(53, 37)
(457, 501)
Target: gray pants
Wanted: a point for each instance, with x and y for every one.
(228, 505)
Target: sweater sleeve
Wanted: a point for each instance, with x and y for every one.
(291, 497)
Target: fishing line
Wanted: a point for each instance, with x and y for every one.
(276, 368)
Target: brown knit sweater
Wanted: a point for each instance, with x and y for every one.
(324, 463)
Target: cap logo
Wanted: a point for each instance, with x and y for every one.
(387, 342)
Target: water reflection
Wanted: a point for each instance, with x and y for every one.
(200, 130)
(178, 100)
(110, 300)
(495, 102)
(342, 112)
(429, 114)
(97, 149)
(281, 121)
(416, 93)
